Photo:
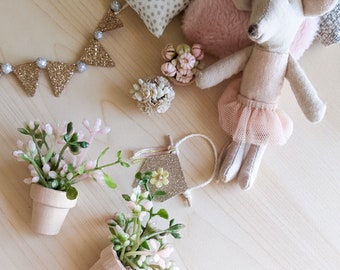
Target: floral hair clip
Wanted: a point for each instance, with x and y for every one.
(167, 174)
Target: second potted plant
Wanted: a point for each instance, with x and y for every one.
(136, 242)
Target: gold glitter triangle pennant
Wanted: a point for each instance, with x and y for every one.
(95, 54)
(109, 22)
(28, 75)
(168, 162)
(59, 75)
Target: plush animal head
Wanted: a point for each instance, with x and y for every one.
(273, 24)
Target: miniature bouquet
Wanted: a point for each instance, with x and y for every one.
(153, 95)
(136, 241)
(181, 62)
(56, 156)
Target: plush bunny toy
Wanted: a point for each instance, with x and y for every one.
(252, 117)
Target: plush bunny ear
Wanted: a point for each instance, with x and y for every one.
(242, 4)
(317, 7)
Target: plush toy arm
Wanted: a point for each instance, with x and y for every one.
(223, 69)
(305, 94)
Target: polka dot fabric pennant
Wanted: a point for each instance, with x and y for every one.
(157, 14)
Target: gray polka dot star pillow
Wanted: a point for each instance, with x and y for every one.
(157, 14)
(329, 27)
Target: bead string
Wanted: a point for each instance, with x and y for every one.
(60, 73)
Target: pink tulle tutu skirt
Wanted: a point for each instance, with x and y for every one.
(255, 122)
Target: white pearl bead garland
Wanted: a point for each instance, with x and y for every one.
(41, 62)
(116, 6)
(81, 67)
(98, 35)
(6, 68)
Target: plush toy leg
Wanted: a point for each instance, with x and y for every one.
(230, 161)
(250, 166)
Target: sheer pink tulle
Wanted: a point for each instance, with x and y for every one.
(254, 122)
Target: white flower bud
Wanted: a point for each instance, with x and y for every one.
(48, 129)
(46, 168)
(31, 146)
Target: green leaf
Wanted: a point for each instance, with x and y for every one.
(70, 168)
(176, 227)
(176, 235)
(124, 164)
(83, 144)
(145, 245)
(74, 137)
(126, 197)
(119, 154)
(74, 148)
(109, 181)
(138, 175)
(81, 169)
(71, 193)
(66, 137)
(102, 154)
(69, 128)
(158, 193)
(163, 213)
(23, 131)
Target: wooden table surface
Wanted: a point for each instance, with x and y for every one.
(290, 219)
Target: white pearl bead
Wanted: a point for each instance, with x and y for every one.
(81, 67)
(116, 6)
(98, 35)
(41, 62)
(6, 68)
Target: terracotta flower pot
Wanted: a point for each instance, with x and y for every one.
(108, 261)
(50, 208)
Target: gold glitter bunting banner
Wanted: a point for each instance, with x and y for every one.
(60, 73)
(28, 75)
(95, 54)
(109, 22)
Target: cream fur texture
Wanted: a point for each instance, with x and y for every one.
(222, 29)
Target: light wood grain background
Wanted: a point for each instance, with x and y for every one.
(289, 220)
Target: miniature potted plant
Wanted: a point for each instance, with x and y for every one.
(136, 242)
(57, 160)
(181, 62)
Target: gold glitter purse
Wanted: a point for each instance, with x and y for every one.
(167, 159)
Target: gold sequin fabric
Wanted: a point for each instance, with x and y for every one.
(169, 162)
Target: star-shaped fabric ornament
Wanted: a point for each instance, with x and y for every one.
(157, 14)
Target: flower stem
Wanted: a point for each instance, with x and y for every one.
(37, 169)
(61, 155)
(138, 233)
